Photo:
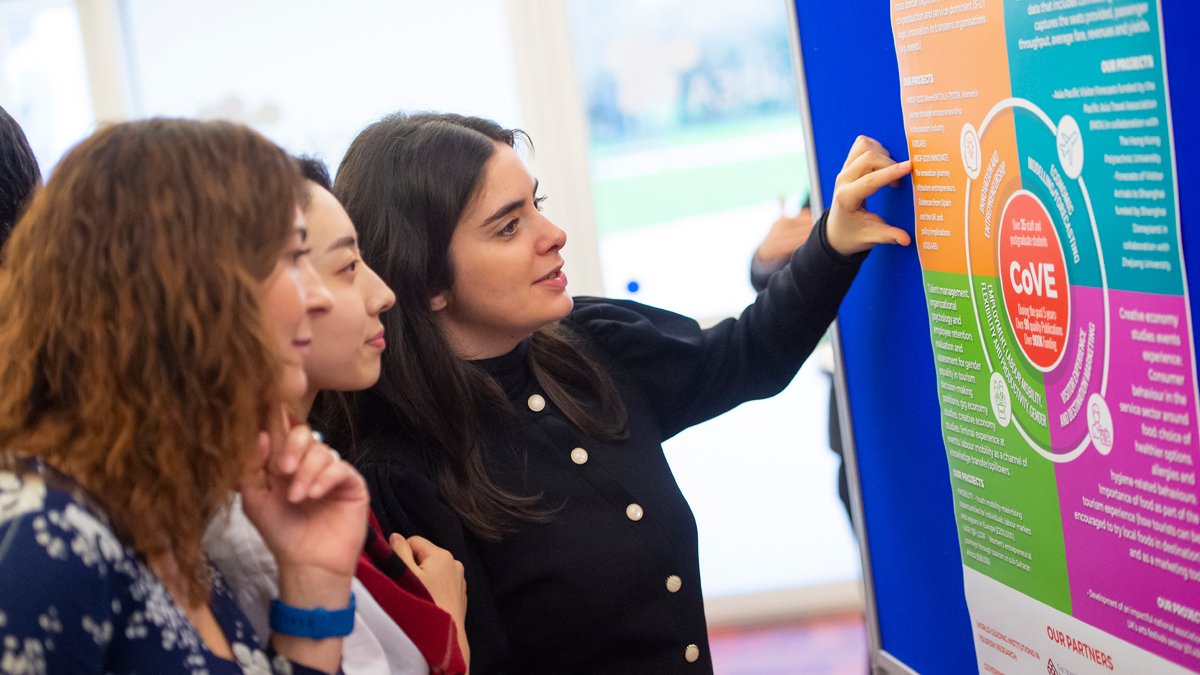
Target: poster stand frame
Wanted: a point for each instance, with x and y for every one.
(848, 83)
(881, 662)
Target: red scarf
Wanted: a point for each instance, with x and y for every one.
(405, 599)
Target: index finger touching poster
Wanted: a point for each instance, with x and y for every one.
(1048, 232)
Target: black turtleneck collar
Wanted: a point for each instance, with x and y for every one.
(510, 370)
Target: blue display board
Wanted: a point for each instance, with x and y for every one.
(914, 565)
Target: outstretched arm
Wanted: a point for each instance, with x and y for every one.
(690, 375)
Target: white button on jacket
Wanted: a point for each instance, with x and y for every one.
(634, 512)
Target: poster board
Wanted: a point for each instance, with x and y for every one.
(918, 615)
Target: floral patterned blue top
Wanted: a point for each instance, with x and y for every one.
(74, 598)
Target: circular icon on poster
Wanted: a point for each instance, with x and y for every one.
(968, 142)
(1001, 403)
(1020, 266)
(1070, 147)
(1100, 424)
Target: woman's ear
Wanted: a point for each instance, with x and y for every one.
(439, 302)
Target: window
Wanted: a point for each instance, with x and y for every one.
(43, 81)
(695, 138)
(311, 75)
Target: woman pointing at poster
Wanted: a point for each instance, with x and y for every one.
(521, 428)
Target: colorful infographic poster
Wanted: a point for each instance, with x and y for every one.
(1048, 234)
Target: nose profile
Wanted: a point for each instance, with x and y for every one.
(380, 297)
(554, 237)
(317, 299)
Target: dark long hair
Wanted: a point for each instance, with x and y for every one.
(406, 181)
(19, 173)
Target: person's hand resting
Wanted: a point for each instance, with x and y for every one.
(443, 578)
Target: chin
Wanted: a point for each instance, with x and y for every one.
(347, 377)
(369, 378)
(564, 307)
(359, 382)
(551, 318)
(293, 384)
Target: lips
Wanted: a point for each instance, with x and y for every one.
(377, 340)
(302, 345)
(555, 281)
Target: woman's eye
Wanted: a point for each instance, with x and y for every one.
(509, 229)
(299, 253)
(349, 268)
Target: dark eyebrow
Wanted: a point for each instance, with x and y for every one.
(503, 211)
(345, 242)
(508, 208)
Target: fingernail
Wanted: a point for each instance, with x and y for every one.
(296, 492)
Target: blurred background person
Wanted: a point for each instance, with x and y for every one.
(19, 173)
(785, 235)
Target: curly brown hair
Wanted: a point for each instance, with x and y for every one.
(132, 352)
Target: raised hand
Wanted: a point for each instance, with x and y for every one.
(851, 227)
(310, 506)
(311, 509)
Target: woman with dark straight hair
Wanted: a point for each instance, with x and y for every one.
(522, 429)
(410, 595)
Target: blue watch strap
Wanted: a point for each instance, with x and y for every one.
(316, 624)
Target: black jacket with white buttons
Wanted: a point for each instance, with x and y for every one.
(611, 584)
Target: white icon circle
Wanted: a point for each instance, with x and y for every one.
(1001, 402)
(1070, 147)
(1100, 424)
(968, 145)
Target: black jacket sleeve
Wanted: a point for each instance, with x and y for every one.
(691, 374)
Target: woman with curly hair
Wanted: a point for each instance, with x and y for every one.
(154, 318)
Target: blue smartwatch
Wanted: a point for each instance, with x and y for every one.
(316, 624)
